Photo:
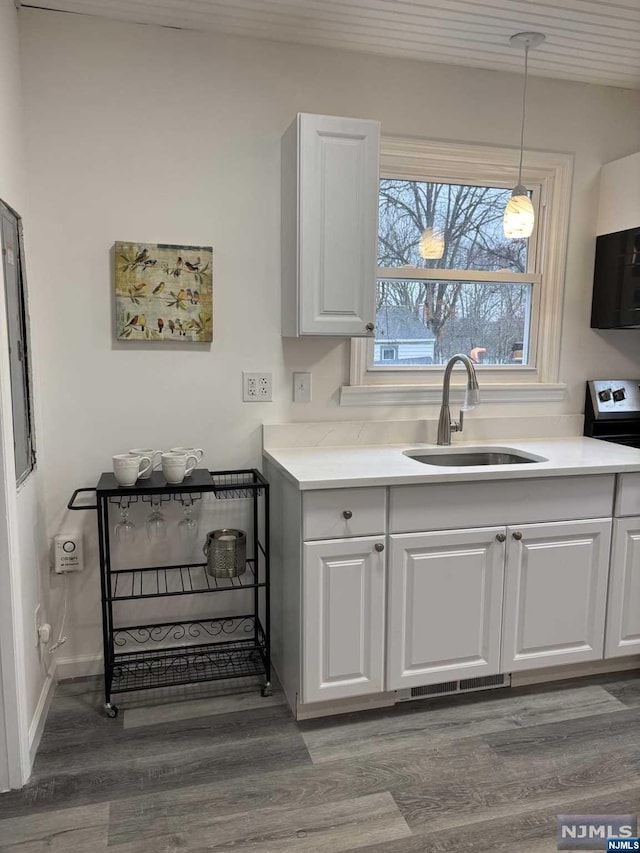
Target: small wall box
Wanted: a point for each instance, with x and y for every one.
(67, 553)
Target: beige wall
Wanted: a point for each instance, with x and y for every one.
(151, 134)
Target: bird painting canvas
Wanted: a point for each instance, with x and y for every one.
(163, 292)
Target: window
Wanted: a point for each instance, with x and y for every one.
(389, 354)
(437, 317)
(18, 338)
(449, 280)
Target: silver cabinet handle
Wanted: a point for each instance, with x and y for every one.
(369, 327)
(501, 537)
(347, 514)
(517, 535)
(379, 546)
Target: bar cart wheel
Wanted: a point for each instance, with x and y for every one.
(111, 710)
(266, 689)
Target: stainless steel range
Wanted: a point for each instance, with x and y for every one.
(612, 410)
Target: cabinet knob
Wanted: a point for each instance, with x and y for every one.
(501, 537)
(517, 535)
(369, 327)
(379, 546)
(347, 514)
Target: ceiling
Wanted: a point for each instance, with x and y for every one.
(593, 41)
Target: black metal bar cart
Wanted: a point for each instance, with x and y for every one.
(183, 651)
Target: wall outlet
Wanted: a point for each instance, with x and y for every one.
(257, 387)
(301, 387)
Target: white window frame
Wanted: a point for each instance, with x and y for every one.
(549, 175)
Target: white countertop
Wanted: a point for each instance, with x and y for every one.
(388, 465)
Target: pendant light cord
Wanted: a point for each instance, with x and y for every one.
(524, 106)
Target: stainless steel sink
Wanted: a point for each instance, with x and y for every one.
(472, 457)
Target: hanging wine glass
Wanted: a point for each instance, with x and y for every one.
(156, 523)
(188, 527)
(125, 529)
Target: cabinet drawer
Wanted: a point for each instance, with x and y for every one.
(628, 495)
(340, 513)
(446, 506)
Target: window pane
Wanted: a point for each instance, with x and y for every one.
(426, 322)
(468, 218)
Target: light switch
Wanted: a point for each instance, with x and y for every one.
(301, 387)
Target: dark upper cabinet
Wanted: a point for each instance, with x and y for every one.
(616, 281)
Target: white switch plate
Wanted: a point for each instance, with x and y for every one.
(301, 387)
(257, 387)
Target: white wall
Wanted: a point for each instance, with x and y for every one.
(22, 527)
(152, 134)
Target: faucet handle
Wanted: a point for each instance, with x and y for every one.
(456, 426)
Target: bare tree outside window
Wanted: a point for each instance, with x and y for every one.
(487, 319)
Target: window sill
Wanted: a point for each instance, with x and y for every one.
(421, 395)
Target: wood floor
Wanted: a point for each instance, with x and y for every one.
(483, 772)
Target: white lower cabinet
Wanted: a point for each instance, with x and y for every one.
(555, 593)
(445, 606)
(386, 602)
(343, 625)
(463, 604)
(623, 612)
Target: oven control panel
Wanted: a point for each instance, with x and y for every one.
(615, 396)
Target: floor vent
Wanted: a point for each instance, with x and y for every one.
(487, 682)
(434, 689)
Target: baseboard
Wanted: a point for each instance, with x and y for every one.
(40, 715)
(560, 673)
(311, 710)
(79, 667)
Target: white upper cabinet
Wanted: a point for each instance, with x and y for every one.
(330, 176)
(555, 593)
(619, 202)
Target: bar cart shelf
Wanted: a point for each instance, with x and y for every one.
(165, 654)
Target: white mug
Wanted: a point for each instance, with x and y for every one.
(154, 455)
(127, 467)
(198, 452)
(175, 466)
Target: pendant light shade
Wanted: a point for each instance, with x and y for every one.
(519, 215)
(431, 245)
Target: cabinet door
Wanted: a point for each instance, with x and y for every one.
(445, 606)
(555, 593)
(623, 613)
(343, 618)
(338, 224)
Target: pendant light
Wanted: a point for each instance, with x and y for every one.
(431, 246)
(519, 217)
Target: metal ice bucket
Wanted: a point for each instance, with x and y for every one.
(226, 553)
